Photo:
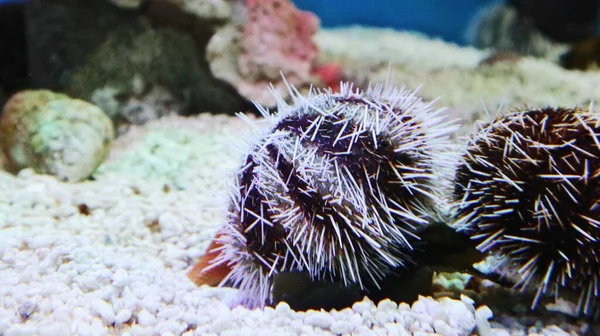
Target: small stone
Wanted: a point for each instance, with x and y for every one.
(62, 314)
(79, 313)
(26, 309)
(97, 327)
(21, 330)
(499, 332)
(483, 313)
(281, 321)
(356, 320)
(82, 328)
(419, 306)
(123, 316)
(169, 313)
(283, 309)
(152, 303)
(103, 309)
(120, 278)
(52, 329)
(223, 322)
(383, 317)
(363, 306)
(342, 327)
(54, 134)
(190, 318)
(443, 328)
(138, 330)
(318, 319)
(386, 305)
(145, 318)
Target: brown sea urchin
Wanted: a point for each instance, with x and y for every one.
(336, 185)
(528, 189)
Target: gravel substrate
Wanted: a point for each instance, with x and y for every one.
(110, 256)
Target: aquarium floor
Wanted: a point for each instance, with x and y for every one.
(110, 256)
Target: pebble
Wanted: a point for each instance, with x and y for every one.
(356, 320)
(382, 317)
(152, 303)
(363, 306)
(120, 278)
(318, 319)
(170, 327)
(21, 330)
(498, 332)
(281, 321)
(387, 305)
(103, 309)
(145, 318)
(444, 329)
(87, 283)
(62, 314)
(53, 329)
(169, 313)
(190, 318)
(167, 296)
(98, 328)
(123, 316)
(419, 307)
(283, 309)
(342, 327)
(482, 316)
(79, 313)
(139, 330)
(141, 291)
(82, 328)
(223, 322)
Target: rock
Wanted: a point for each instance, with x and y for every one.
(13, 59)
(562, 21)
(584, 55)
(98, 51)
(54, 134)
(263, 41)
(137, 109)
(502, 28)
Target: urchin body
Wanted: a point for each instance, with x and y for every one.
(528, 189)
(337, 186)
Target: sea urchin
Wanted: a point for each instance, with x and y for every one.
(528, 189)
(336, 186)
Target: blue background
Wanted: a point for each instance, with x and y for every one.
(447, 19)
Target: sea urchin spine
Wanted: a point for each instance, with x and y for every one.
(528, 189)
(337, 186)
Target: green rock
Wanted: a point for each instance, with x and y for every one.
(54, 134)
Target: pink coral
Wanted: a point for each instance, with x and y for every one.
(264, 40)
(277, 38)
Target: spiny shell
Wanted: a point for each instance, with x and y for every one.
(528, 189)
(337, 185)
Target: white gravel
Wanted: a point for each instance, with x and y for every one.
(110, 256)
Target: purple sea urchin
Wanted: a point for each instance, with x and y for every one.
(528, 189)
(336, 186)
